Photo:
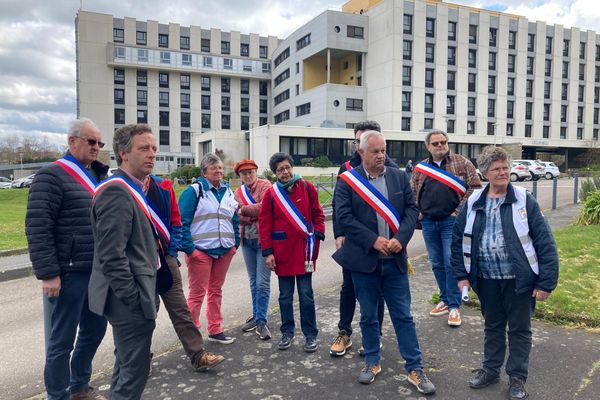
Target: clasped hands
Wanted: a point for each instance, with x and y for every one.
(387, 246)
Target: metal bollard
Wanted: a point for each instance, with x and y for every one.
(576, 188)
(534, 189)
(554, 192)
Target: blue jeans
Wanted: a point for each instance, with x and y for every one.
(63, 372)
(308, 318)
(260, 279)
(387, 279)
(348, 304)
(438, 240)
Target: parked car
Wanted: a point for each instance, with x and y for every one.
(23, 182)
(536, 169)
(551, 169)
(519, 172)
(480, 175)
(5, 183)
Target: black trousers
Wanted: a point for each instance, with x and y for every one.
(501, 306)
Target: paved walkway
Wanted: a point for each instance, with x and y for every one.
(565, 363)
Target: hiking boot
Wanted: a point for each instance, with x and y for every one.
(208, 361)
(516, 388)
(361, 351)
(482, 378)
(310, 345)
(263, 332)
(368, 373)
(418, 378)
(440, 309)
(250, 325)
(454, 317)
(340, 344)
(221, 338)
(87, 394)
(285, 342)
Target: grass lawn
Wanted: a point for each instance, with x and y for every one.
(13, 203)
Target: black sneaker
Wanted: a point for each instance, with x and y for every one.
(311, 345)
(250, 324)
(221, 338)
(263, 332)
(368, 373)
(516, 389)
(418, 378)
(482, 378)
(285, 342)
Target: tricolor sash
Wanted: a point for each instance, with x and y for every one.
(348, 165)
(74, 168)
(160, 222)
(245, 196)
(373, 197)
(296, 218)
(445, 177)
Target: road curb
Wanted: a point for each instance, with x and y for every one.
(16, 273)
(13, 252)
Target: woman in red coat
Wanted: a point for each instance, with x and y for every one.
(291, 224)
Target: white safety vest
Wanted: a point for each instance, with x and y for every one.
(519, 219)
(212, 226)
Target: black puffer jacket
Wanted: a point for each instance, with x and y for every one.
(58, 224)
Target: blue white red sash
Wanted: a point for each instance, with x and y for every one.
(296, 218)
(74, 168)
(245, 196)
(348, 165)
(445, 177)
(373, 197)
(159, 221)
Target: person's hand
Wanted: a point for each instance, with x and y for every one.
(462, 284)
(339, 241)
(381, 245)
(394, 245)
(270, 262)
(540, 295)
(51, 287)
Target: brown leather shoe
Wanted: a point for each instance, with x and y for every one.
(87, 394)
(208, 361)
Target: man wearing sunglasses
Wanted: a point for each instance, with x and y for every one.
(441, 184)
(61, 248)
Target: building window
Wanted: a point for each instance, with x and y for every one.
(565, 48)
(205, 45)
(244, 86)
(284, 55)
(141, 38)
(493, 36)
(531, 42)
(184, 42)
(205, 101)
(118, 35)
(430, 27)
(262, 121)
(563, 132)
(406, 101)
(406, 76)
(357, 32)
(546, 112)
(470, 127)
(510, 86)
(142, 78)
(471, 106)
(579, 133)
(185, 119)
(281, 117)
(225, 85)
(429, 52)
(186, 59)
(596, 74)
(511, 63)
(142, 98)
(163, 99)
(580, 93)
(354, 104)
(263, 88)
(225, 47)
(472, 82)
(451, 30)
(205, 82)
(207, 62)
(281, 97)
(527, 130)
(582, 51)
(510, 109)
(491, 84)
(163, 138)
(165, 57)
(530, 63)
(163, 40)
(596, 95)
(595, 134)
(450, 125)
(163, 118)
(547, 89)
(302, 42)
(564, 94)
(450, 101)
(185, 139)
(302, 109)
(225, 121)
(406, 123)
(119, 75)
(451, 81)
(185, 100)
(563, 113)
(119, 52)
(227, 63)
(492, 61)
(548, 68)
(512, 40)
(472, 58)
(119, 96)
(263, 106)
(509, 129)
(225, 103)
(407, 24)
(263, 51)
(244, 49)
(163, 79)
(581, 72)
(245, 104)
(184, 81)
(428, 102)
(429, 77)
(119, 116)
(545, 132)
(142, 116)
(451, 55)
(529, 88)
(490, 128)
(142, 55)
(428, 123)
(247, 66)
(580, 115)
(205, 121)
(282, 77)
(245, 122)
(407, 50)
(473, 34)
(565, 70)
(597, 53)
(548, 45)
(491, 108)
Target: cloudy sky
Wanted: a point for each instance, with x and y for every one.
(37, 50)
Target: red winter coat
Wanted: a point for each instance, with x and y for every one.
(280, 238)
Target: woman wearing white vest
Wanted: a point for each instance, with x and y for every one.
(210, 239)
(503, 248)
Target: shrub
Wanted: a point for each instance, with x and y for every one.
(589, 185)
(269, 175)
(307, 161)
(186, 172)
(322, 162)
(590, 213)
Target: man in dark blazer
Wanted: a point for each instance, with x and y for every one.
(126, 257)
(375, 252)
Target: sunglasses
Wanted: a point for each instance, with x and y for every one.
(440, 143)
(92, 142)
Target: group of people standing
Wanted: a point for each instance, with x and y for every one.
(106, 250)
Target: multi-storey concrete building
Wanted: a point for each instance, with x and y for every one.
(485, 77)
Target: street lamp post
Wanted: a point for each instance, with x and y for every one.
(21, 156)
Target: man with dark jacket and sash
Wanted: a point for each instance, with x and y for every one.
(61, 248)
(441, 184)
(376, 209)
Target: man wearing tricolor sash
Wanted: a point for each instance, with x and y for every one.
(126, 259)
(376, 209)
(441, 184)
(61, 248)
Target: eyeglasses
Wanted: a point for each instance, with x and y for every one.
(91, 142)
(440, 143)
(247, 172)
(356, 141)
(283, 169)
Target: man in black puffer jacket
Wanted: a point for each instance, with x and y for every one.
(61, 248)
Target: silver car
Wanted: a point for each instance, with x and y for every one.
(5, 183)
(551, 169)
(536, 169)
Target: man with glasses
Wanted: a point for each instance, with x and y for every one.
(441, 184)
(61, 248)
